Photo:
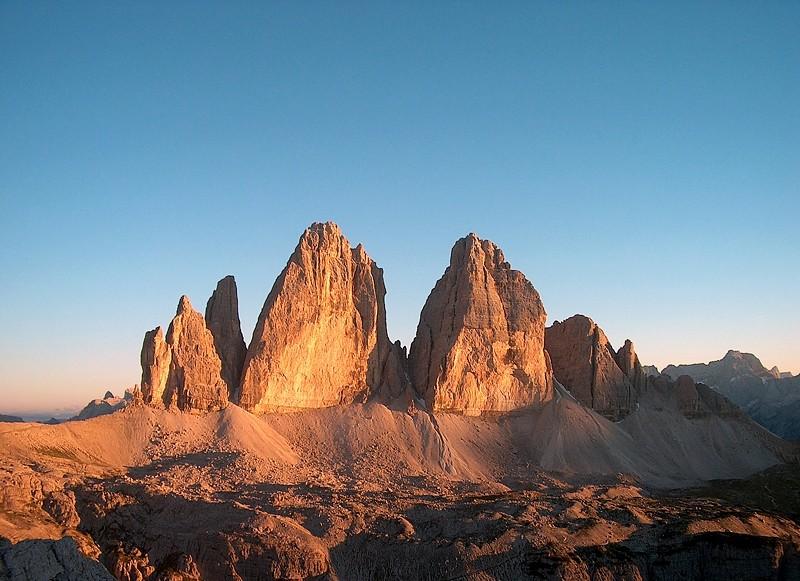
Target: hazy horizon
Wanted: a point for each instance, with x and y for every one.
(640, 166)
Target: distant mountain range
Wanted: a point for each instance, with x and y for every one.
(769, 396)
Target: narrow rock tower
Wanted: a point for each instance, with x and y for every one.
(184, 371)
(222, 319)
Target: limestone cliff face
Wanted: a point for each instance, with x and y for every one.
(628, 362)
(183, 371)
(480, 339)
(321, 338)
(222, 319)
(585, 363)
(195, 372)
(156, 358)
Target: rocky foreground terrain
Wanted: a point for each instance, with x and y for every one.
(497, 449)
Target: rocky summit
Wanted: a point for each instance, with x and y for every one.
(586, 364)
(480, 340)
(222, 319)
(321, 337)
(183, 371)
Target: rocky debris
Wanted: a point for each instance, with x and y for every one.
(156, 359)
(177, 567)
(48, 560)
(60, 505)
(10, 419)
(278, 548)
(132, 565)
(218, 540)
(321, 337)
(585, 363)
(480, 340)
(222, 319)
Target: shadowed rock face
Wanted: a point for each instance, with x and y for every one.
(769, 396)
(480, 339)
(586, 364)
(222, 319)
(696, 399)
(321, 337)
(156, 358)
(195, 373)
(628, 362)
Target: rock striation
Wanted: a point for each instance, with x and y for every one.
(480, 340)
(184, 370)
(586, 364)
(222, 319)
(321, 337)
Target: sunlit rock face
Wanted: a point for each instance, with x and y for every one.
(222, 319)
(321, 337)
(480, 340)
(195, 374)
(156, 358)
(586, 364)
(184, 371)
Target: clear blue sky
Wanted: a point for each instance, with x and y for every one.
(640, 163)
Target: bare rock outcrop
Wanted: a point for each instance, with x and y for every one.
(222, 319)
(480, 339)
(628, 362)
(49, 559)
(156, 359)
(184, 370)
(586, 364)
(195, 373)
(696, 400)
(321, 337)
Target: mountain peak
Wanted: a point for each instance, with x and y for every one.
(480, 339)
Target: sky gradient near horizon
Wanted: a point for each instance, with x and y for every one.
(640, 164)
